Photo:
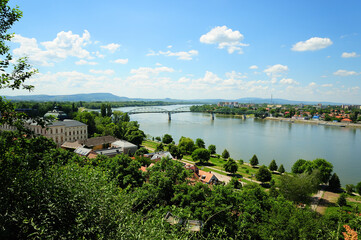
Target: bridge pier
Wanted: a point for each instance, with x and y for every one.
(212, 115)
(169, 116)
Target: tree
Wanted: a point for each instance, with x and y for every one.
(350, 188)
(334, 182)
(254, 160)
(167, 139)
(201, 155)
(186, 145)
(200, 143)
(212, 149)
(160, 147)
(109, 110)
(341, 201)
(235, 183)
(174, 150)
(273, 165)
(325, 168)
(225, 154)
(358, 188)
(12, 76)
(89, 119)
(263, 175)
(230, 166)
(299, 187)
(298, 166)
(141, 151)
(281, 169)
(103, 110)
(158, 139)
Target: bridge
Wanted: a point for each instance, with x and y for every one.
(141, 110)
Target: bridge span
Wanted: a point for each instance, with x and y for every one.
(141, 110)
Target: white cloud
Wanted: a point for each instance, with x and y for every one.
(312, 84)
(183, 80)
(180, 55)
(289, 81)
(112, 47)
(121, 61)
(64, 45)
(276, 71)
(169, 46)
(345, 73)
(106, 72)
(99, 55)
(253, 67)
(84, 62)
(349, 55)
(312, 44)
(327, 85)
(225, 38)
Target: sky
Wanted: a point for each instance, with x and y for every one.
(298, 50)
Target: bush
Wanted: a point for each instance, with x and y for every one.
(350, 188)
(263, 174)
(334, 182)
(254, 160)
(225, 154)
(341, 201)
(241, 161)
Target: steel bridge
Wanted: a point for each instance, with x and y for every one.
(141, 110)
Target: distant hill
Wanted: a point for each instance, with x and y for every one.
(108, 97)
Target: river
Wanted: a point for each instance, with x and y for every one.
(283, 141)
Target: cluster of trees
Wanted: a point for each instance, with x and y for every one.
(117, 125)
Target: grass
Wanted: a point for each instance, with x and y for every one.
(150, 144)
(349, 208)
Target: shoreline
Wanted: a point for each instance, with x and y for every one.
(316, 122)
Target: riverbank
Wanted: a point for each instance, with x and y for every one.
(316, 122)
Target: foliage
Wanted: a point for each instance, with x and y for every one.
(201, 155)
(325, 168)
(212, 149)
(298, 166)
(341, 201)
(160, 147)
(186, 145)
(263, 174)
(225, 154)
(103, 110)
(254, 160)
(350, 188)
(281, 169)
(299, 187)
(235, 183)
(334, 182)
(141, 151)
(200, 143)
(241, 161)
(167, 139)
(358, 188)
(231, 166)
(174, 150)
(273, 165)
(158, 139)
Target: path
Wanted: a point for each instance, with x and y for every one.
(316, 199)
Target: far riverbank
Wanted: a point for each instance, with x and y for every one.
(316, 122)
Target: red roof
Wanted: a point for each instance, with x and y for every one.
(346, 120)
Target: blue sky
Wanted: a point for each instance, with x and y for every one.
(298, 50)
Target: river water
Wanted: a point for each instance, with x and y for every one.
(283, 141)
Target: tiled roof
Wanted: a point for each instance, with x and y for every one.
(95, 141)
(71, 145)
(82, 151)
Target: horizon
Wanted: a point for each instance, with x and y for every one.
(192, 50)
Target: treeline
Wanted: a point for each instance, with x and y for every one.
(259, 112)
(50, 193)
(38, 109)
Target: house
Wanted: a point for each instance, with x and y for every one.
(97, 143)
(126, 147)
(82, 151)
(159, 155)
(110, 152)
(346, 120)
(207, 177)
(70, 145)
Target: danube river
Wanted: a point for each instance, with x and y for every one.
(283, 141)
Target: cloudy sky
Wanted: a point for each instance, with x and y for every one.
(298, 50)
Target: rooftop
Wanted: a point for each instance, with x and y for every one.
(95, 141)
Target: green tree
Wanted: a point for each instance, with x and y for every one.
(200, 143)
(186, 145)
(167, 139)
(341, 201)
(325, 168)
(230, 166)
(298, 166)
(281, 169)
(263, 174)
(273, 165)
(160, 147)
(201, 155)
(174, 150)
(334, 182)
(350, 188)
(109, 110)
(235, 183)
(299, 187)
(225, 154)
(141, 151)
(89, 119)
(358, 188)
(103, 110)
(254, 160)
(212, 149)
(133, 134)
